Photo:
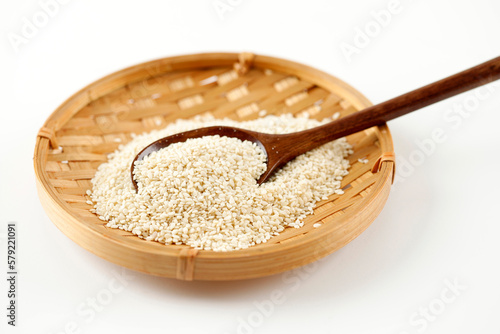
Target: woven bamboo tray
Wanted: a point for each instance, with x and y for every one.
(77, 137)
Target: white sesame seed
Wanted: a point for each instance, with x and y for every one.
(203, 192)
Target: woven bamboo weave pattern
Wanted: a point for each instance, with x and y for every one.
(77, 138)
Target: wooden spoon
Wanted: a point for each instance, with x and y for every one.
(284, 147)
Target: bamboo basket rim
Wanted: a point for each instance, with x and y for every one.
(179, 63)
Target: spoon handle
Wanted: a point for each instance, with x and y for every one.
(401, 105)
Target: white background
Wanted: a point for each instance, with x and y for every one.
(440, 223)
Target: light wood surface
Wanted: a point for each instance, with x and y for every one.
(77, 137)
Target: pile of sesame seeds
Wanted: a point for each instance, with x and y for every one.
(203, 192)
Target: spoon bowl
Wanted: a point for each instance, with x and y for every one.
(226, 131)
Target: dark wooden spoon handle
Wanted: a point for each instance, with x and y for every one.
(282, 148)
(398, 106)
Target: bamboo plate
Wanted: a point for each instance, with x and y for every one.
(77, 137)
